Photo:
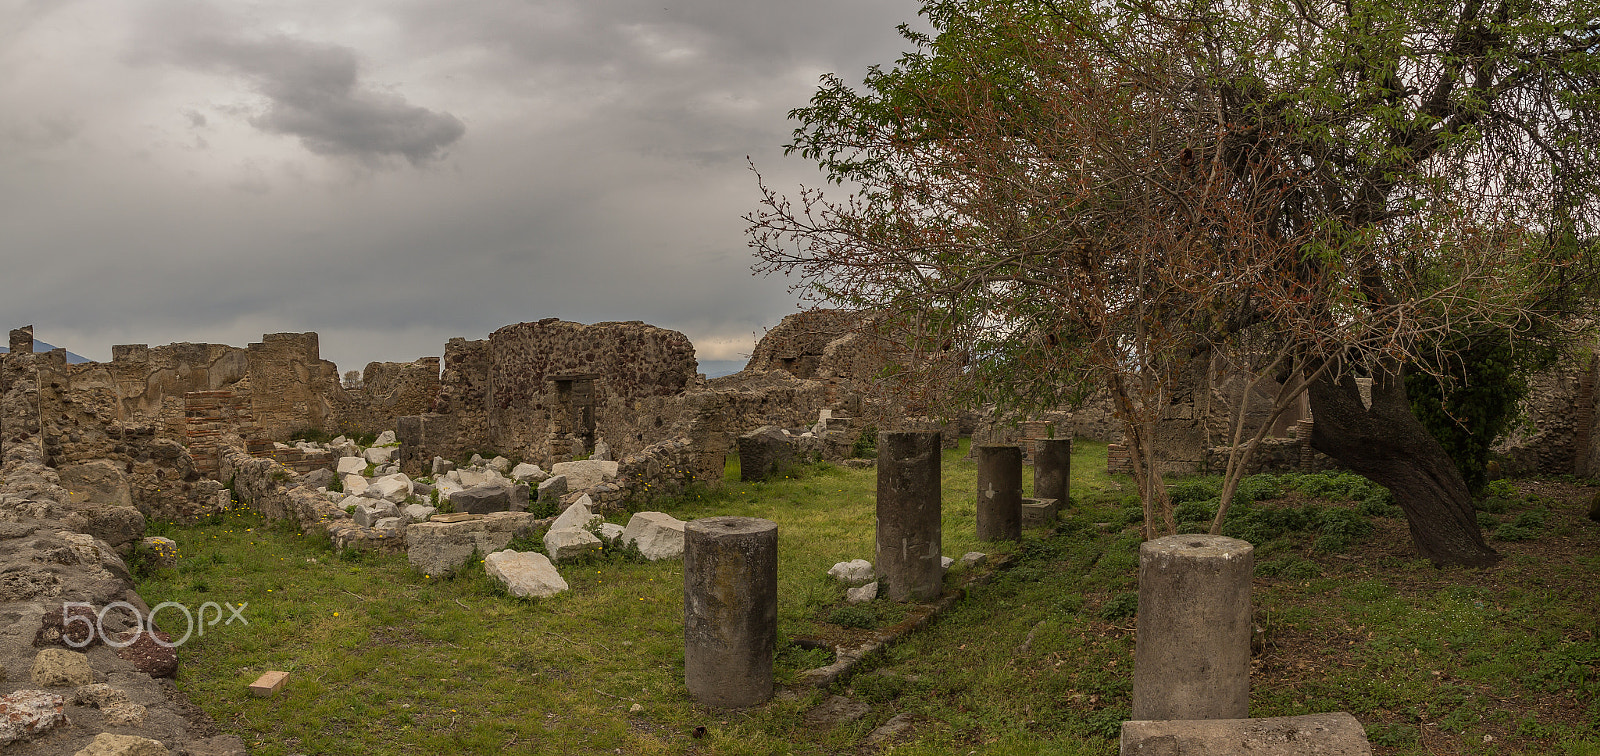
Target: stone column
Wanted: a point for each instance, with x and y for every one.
(999, 492)
(730, 609)
(909, 511)
(1052, 470)
(1191, 657)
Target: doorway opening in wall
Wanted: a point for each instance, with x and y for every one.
(575, 397)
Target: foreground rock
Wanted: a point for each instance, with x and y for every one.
(658, 535)
(524, 573)
(440, 548)
(586, 473)
(570, 543)
(853, 571)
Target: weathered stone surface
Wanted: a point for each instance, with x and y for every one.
(125, 714)
(528, 473)
(730, 586)
(355, 485)
(610, 531)
(1052, 469)
(380, 455)
(60, 668)
(107, 744)
(861, 593)
(351, 466)
(894, 728)
(524, 573)
(98, 695)
(570, 543)
(836, 710)
(909, 515)
(586, 473)
(393, 488)
(370, 511)
(417, 513)
(161, 553)
(27, 714)
(657, 534)
(764, 453)
(99, 481)
(116, 525)
(1038, 512)
(999, 492)
(387, 438)
(552, 489)
(576, 516)
(974, 559)
(853, 571)
(482, 499)
(1192, 649)
(470, 478)
(442, 466)
(321, 477)
(439, 548)
(1337, 734)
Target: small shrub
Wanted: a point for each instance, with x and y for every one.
(1532, 519)
(866, 445)
(1195, 511)
(1488, 521)
(1394, 735)
(1120, 607)
(1514, 532)
(337, 484)
(1195, 489)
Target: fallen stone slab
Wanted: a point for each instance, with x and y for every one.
(853, 571)
(611, 531)
(524, 573)
(551, 489)
(439, 548)
(657, 534)
(585, 473)
(861, 594)
(576, 516)
(1336, 734)
(370, 511)
(380, 455)
(528, 473)
(482, 499)
(570, 543)
(392, 488)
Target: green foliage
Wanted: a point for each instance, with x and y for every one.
(1475, 403)
(864, 616)
(337, 484)
(866, 444)
(1120, 607)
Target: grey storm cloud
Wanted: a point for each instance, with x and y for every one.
(316, 93)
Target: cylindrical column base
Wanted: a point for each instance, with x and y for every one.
(1191, 656)
(999, 493)
(1052, 470)
(909, 509)
(730, 609)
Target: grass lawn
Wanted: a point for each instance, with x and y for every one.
(383, 660)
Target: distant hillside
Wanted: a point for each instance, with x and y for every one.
(40, 346)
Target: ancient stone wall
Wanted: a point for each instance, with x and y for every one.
(554, 380)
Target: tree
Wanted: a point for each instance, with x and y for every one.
(1077, 194)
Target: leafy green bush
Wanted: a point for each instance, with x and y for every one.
(1195, 511)
(1120, 606)
(866, 445)
(1514, 532)
(864, 616)
(1195, 489)
(1532, 519)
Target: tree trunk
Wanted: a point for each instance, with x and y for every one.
(1388, 445)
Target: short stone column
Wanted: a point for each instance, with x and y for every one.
(730, 609)
(1052, 469)
(999, 492)
(1191, 656)
(909, 511)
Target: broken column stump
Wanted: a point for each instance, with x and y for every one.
(999, 492)
(1191, 656)
(909, 511)
(730, 609)
(1052, 469)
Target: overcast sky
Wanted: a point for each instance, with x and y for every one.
(392, 173)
